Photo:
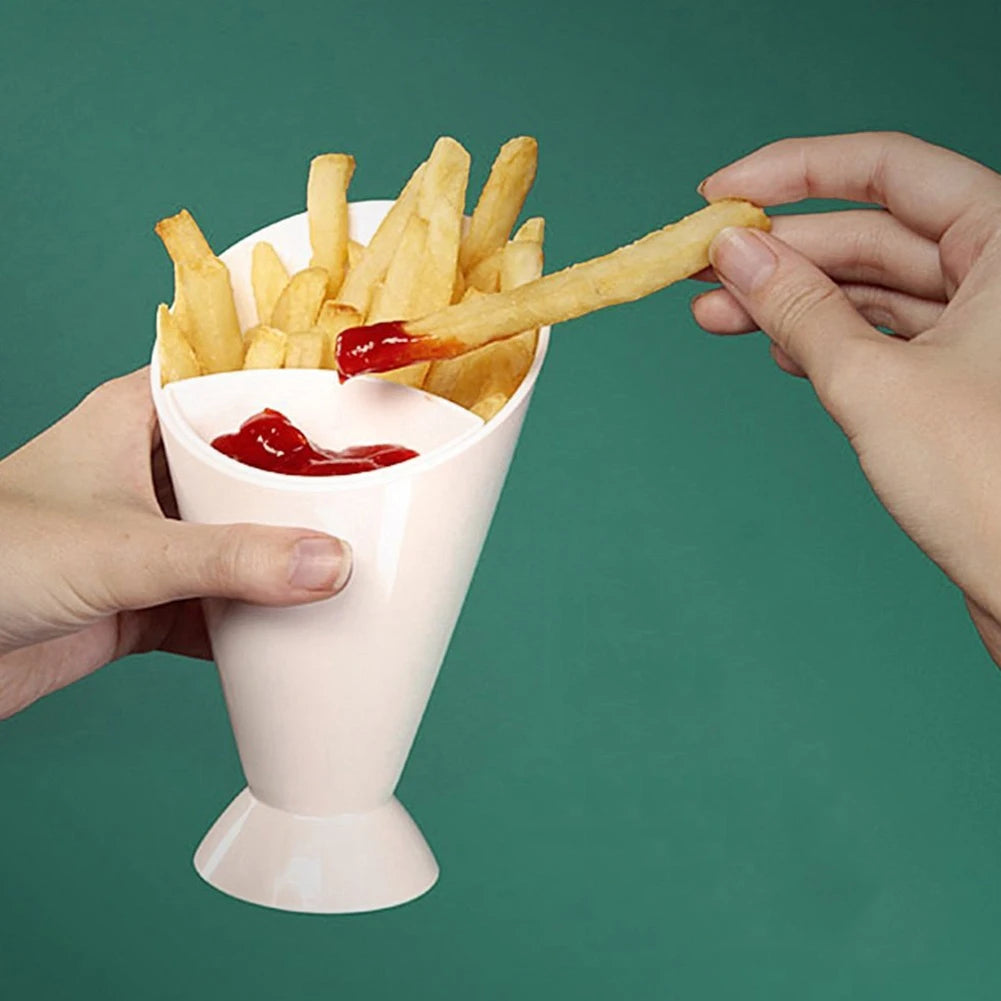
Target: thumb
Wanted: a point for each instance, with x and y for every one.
(795, 304)
(172, 560)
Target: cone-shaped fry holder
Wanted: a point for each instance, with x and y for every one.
(325, 699)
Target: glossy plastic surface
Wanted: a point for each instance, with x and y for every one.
(325, 699)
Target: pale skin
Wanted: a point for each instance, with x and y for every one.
(95, 565)
(923, 409)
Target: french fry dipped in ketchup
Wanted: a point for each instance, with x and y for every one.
(667, 255)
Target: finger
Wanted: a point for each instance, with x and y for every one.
(705, 275)
(718, 312)
(175, 628)
(110, 429)
(927, 187)
(163, 486)
(904, 315)
(166, 561)
(784, 362)
(868, 246)
(795, 303)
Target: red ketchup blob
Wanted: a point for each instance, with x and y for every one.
(381, 347)
(269, 440)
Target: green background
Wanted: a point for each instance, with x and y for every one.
(710, 726)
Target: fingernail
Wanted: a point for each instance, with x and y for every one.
(742, 258)
(320, 565)
(701, 189)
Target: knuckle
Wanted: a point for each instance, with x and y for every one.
(895, 137)
(871, 248)
(231, 556)
(796, 303)
(976, 234)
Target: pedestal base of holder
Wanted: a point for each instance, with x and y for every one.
(325, 865)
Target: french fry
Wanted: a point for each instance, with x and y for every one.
(508, 361)
(489, 406)
(501, 200)
(374, 260)
(185, 242)
(299, 304)
(483, 380)
(355, 250)
(521, 263)
(304, 349)
(179, 308)
(398, 288)
(177, 357)
(327, 209)
(441, 203)
(265, 347)
(664, 256)
(213, 327)
(421, 277)
(203, 299)
(337, 316)
(486, 275)
(268, 278)
(533, 230)
(334, 317)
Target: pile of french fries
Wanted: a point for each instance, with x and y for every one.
(420, 260)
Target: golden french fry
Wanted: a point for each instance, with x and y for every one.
(510, 359)
(265, 347)
(299, 304)
(337, 316)
(359, 286)
(441, 203)
(334, 317)
(213, 328)
(489, 406)
(493, 372)
(533, 230)
(179, 309)
(268, 278)
(486, 275)
(398, 288)
(421, 276)
(304, 349)
(354, 252)
(177, 357)
(327, 209)
(664, 256)
(521, 263)
(501, 200)
(184, 241)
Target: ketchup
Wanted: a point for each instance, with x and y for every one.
(381, 347)
(269, 440)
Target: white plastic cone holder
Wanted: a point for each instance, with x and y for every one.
(325, 699)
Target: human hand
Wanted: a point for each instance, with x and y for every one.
(923, 409)
(93, 569)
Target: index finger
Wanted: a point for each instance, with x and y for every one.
(925, 186)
